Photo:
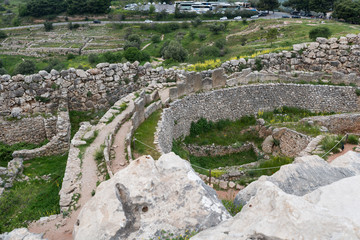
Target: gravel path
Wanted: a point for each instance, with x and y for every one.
(119, 146)
(59, 228)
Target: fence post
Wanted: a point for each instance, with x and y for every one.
(209, 176)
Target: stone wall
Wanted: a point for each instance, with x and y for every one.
(32, 130)
(326, 55)
(234, 103)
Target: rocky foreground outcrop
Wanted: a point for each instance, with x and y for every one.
(330, 212)
(20, 234)
(305, 175)
(148, 197)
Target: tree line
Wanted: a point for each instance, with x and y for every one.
(39, 8)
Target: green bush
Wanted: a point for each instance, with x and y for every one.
(3, 35)
(133, 54)
(258, 65)
(319, 32)
(70, 56)
(174, 50)
(112, 57)
(156, 39)
(196, 22)
(3, 71)
(352, 139)
(220, 43)
(48, 26)
(216, 28)
(202, 36)
(331, 142)
(209, 51)
(25, 67)
(93, 58)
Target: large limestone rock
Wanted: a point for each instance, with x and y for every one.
(305, 175)
(149, 196)
(330, 212)
(20, 234)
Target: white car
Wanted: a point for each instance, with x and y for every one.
(148, 21)
(238, 18)
(223, 18)
(254, 17)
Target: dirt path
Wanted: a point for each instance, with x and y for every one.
(60, 228)
(145, 46)
(347, 147)
(119, 146)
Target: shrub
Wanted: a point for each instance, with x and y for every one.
(48, 26)
(134, 38)
(352, 139)
(196, 22)
(93, 58)
(112, 57)
(129, 44)
(319, 32)
(184, 25)
(243, 40)
(258, 64)
(70, 56)
(155, 39)
(133, 54)
(3, 71)
(202, 36)
(174, 50)
(3, 35)
(25, 67)
(209, 51)
(220, 43)
(192, 35)
(54, 63)
(216, 28)
(329, 142)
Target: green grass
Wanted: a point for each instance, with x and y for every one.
(231, 207)
(76, 117)
(226, 160)
(28, 201)
(329, 141)
(7, 150)
(255, 33)
(223, 132)
(145, 133)
(120, 109)
(352, 139)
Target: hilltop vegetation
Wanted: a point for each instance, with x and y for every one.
(200, 42)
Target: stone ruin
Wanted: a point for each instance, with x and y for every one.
(40, 103)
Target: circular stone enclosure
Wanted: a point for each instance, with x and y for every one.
(234, 103)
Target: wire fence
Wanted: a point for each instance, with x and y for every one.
(249, 169)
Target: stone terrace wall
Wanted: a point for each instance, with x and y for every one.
(34, 130)
(234, 103)
(92, 89)
(327, 55)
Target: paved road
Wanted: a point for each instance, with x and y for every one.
(270, 16)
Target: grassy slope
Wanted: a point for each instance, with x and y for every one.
(28, 201)
(291, 32)
(145, 133)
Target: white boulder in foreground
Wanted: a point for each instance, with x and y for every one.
(20, 234)
(147, 197)
(331, 212)
(305, 175)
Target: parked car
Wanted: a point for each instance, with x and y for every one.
(254, 17)
(238, 18)
(148, 21)
(285, 16)
(97, 21)
(295, 16)
(223, 18)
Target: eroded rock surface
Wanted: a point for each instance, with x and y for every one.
(20, 234)
(273, 214)
(305, 175)
(149, 196)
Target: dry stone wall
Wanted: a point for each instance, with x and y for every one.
(234, 103)
(326, 55)
(34, 130)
